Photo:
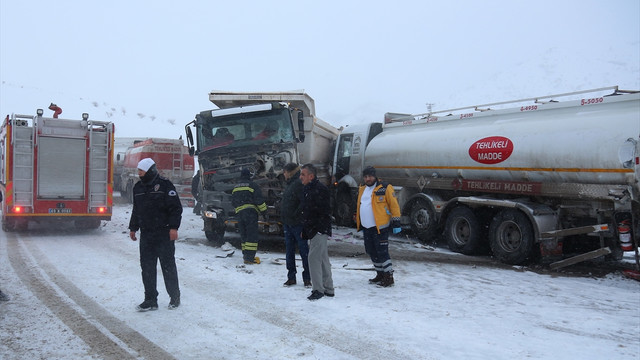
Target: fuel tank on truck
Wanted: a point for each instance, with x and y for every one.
(589, 141)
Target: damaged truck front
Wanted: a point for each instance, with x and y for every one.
(261, 132)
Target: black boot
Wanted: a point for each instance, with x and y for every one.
(387, 280)
(378, 278)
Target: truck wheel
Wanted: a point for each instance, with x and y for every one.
(215, 236)
(15, 224)
(423, 220)
(344, 210)
(8, 225)
(214, 231)
(463, 231)
(511, 237)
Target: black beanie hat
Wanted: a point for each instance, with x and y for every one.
(245, 173)
(369, 170)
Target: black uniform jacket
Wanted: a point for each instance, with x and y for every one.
(156, 204)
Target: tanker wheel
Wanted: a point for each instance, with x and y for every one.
(344, 210)
(511, 237)
(463, 231)
(423, 220)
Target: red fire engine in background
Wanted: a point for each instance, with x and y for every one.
(55, 169)
(172, 161)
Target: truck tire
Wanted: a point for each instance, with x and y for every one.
(216, 232)
(511, 237)
(15, 224)
(423, 220)
(216, 236)
(463, 231)
(344, 210)
(8, 225)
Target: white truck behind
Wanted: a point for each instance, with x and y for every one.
(524, 181)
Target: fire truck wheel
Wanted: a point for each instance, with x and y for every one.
(511, 237)
(15, 225)
(463, 231)
(423, 220)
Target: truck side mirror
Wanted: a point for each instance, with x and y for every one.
(300, 126)
(187, 129)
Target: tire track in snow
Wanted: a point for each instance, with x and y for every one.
(106, 335)
(328, 335)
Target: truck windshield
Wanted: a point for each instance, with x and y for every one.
(245, 129)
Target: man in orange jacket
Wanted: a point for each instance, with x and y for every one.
(378, 212)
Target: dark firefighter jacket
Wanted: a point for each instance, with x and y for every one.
(247, 195)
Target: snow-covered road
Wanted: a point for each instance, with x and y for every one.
(73, 297)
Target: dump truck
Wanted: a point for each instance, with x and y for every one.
(552, 178)
(232, 137)
(172, 161)
(56, 170)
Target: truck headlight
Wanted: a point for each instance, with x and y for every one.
(211, 214)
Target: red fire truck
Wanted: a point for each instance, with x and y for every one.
(55, 169)
(172, 161)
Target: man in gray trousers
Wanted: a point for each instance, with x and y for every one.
(316, 227)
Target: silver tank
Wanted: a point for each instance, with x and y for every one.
(590, 141)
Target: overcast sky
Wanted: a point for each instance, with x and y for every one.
(149, 66)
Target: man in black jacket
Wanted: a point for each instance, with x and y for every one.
(291, 214)
(157, 213)
(248, 202)
(316, 227)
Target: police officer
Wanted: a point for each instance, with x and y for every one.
(248, 202)
(157, 212)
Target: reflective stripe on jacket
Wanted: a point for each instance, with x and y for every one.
(247, 195)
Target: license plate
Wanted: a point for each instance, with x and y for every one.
(59, 211)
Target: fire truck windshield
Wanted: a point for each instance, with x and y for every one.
(245, 129)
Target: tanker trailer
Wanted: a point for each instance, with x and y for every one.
(551, 178)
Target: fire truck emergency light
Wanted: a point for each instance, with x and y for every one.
(39, 112)
(85, 116)
(18, 209)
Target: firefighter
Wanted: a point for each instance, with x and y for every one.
(378, 212)
(249, 203)
(157, 213)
